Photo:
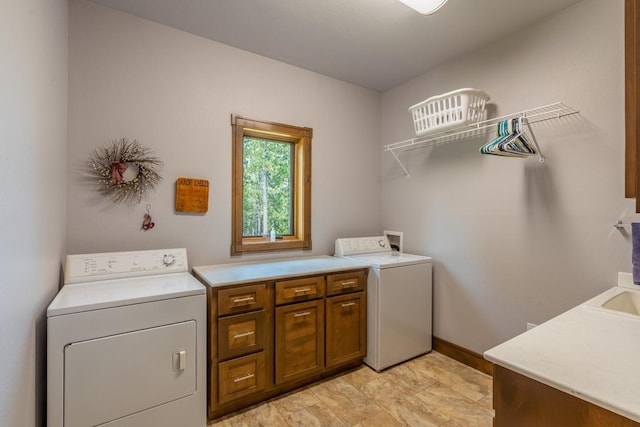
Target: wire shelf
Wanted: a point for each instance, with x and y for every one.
(533, 115)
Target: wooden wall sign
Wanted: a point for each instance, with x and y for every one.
(192, 195)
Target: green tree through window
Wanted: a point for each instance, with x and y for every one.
(267, 187)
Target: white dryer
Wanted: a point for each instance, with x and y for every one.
(126, 342)
(399, 300)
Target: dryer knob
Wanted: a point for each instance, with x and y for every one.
(382, 243)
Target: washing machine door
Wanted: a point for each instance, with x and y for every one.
(112, 377)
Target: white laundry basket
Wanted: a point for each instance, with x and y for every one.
(449, 110)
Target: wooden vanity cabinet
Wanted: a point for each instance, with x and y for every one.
(524, 402)
(270, 337)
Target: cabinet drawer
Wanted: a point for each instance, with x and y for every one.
(241, 299)
(241, 334)
(346, 282)
(240, 377)
(299, 289)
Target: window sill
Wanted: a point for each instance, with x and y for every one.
(265, 245)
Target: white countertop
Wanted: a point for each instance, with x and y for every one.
(234, 273)
(591, 353)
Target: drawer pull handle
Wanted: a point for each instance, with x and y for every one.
(247, 300)
(244, 334)
(347, 304)
(302, 290)
(243, 378)
(305, 313)
(348, 283)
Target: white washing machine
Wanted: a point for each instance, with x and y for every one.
(399, 300)
(126, 342)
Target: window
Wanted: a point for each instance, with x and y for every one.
(271, 186)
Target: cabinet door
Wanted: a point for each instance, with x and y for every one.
(299, 340)
(346, 328)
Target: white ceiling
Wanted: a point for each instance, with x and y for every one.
(377, 44)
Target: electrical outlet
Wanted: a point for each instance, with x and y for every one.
(531, 325)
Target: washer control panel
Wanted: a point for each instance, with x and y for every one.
(114, 265)
(362, 245)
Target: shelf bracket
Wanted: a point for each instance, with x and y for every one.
(533, 138)
(395, 156)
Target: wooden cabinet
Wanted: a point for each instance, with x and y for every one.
(524, 402)
(270, 337)
(632, 100)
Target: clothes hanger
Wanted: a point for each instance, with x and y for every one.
(515, 144)
(511, 140)
(503, 133)
(509, 147)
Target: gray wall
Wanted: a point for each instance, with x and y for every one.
(33, 120)
(515, 240)
(175, 93)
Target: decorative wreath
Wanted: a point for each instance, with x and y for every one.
(109, 165)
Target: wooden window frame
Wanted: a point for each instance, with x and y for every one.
(301, 138)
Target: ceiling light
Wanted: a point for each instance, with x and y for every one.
(426, 7)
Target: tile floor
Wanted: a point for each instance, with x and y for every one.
(431, 390)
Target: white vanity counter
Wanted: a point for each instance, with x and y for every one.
(243, 272)
(588, 352)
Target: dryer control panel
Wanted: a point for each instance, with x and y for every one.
(115, 265)
(362, 245)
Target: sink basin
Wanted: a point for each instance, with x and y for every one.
(618, 300)
(625, 302)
